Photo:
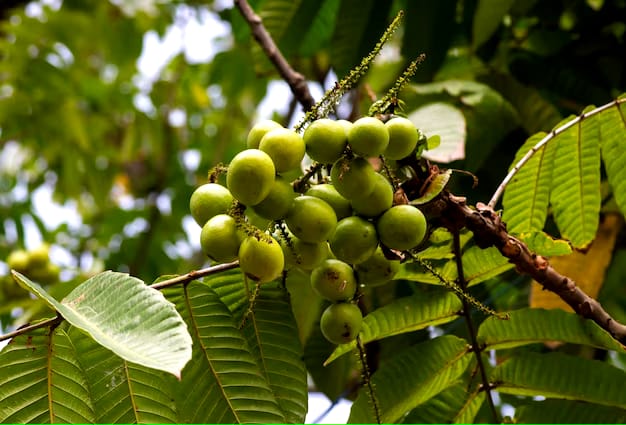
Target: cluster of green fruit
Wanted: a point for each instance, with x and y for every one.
(334, 229)
(35, 264)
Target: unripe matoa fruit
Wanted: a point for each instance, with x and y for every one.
(209, 200)
(334, 280)
(368, 137)
(401, 227)
(353, 177)
(311, 219)
(354, 240)
(220, 239)
(258, 131)
(261, 259)
(328, 192)
(341, 322)
(325, 140)
(285, 147)
(250, 176)
(403, 137)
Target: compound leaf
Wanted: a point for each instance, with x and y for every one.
(568, 412)
(613, 133)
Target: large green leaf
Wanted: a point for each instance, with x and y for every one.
(124, 392)
(405, 314)
(124, 315)
(575, 194)
(273, 337)
(483, 264)
(41, 380)
(222, 383)
(531, 325)
(446, 121)
(568, 412)
(556, 375)
(613, 145)
(231, 289)
(487, 18)
(411, 378)
(440, 409)
(526, 198)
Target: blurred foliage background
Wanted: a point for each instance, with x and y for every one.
(105, 132)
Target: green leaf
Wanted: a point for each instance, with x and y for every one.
(124, 315)
(440, 409)
(526, 198)
(222, 383)
(231, 289)
(613, 133)
(272, 334)
(480, 264)
(446, 121)
(487, 18)
(575, 194)
(470, 408)
(543, 244)
(124, 392)
(41, 380)
(531, 325)
(568, 412)
(556, 375)
(434, 188)
(403, 315)
(413, 377)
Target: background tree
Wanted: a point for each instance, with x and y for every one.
(126, 154)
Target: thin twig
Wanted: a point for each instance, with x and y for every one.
(471, 329)
(367, 377)
(195, 274)
(25, 329)
(496, 196)
(297, 82)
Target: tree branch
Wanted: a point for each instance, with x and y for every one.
(297, 82)
(195, 274)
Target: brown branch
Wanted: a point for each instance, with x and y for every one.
(490, 230)
(297, 82)
(25, 329)
(195, 274)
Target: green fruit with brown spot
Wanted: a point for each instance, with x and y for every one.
(261, 258)
(341, 322)
(334, 280)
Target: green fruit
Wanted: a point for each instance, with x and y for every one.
(354, 240)
(403, 137)
(220, 239)
(250, 176)
(18, 260)
(39, 256)
(325, 140)
(353, 177)
(328, 193)
(278, 202)
(368, 137)
(208, 201)
(258, 131)
(341, 322)
(401, 227)
(377, 202)
(285, 147)
(261, 259)
(334, 280)
(304, 255)
(311, 219)
(376, 270)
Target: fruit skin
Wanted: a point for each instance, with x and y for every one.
(40, 256)
(328, 193)
(209, 200)
(220, 239)
(334, 280)
(18, 260)
(258, 131)
(376, 270)
(261, 259)
(311, 219)
(401, 227)
(353, 177)
(285, 147)
(304, 255)
(325, 140)
(354, 240)
(278, 202)
(341, 323)
(368, 137)
(377, 202)
(403, 137)
(250, 176)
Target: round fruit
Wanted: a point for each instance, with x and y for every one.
(334, 280)
(18, 260)
(258, 131)
(278, 202)
(403, 136)
(39, 256)
(328, 193)
(401, 227)
(311, 219)
(220, 239)
(208, 201)
(304, 255)
(261, 259)
(325, 140)
(250, 176)
(376, 270)
(377, 202)
(341, 322)
(353, 177)
(368, 137)
(285, 147)
(354, 240)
